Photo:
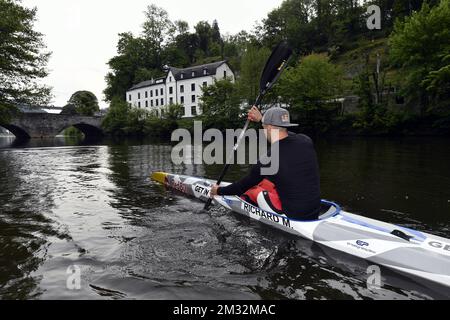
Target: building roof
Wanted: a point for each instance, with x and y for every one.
(148, 83)
(186, 73)
(196, 71)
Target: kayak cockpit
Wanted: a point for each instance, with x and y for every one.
(329, 209)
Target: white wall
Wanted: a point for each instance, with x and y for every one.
(220, 72)
(188, 93)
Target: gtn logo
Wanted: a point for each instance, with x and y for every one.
(362, 243)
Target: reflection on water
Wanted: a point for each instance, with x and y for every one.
(66, 203)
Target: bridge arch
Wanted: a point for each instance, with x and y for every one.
(19, 132)
(88, 130)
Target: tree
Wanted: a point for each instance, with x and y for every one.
(220, 106)
(69, 110)
(419, 46)
(85, 102)
(291, 22)
(215, 32)
(164, 125)
(252, 65)
(124, 66)
(124, 120)
(203, 31)
(310, 88)
(157, 29)
(22, 59)
(181, 27)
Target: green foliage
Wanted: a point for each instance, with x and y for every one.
(69, 110)
(123, 120)
(85, 102)
(221, 106)
(164, 123)
(134, 63)
(420, 47)
(252, 65)
(310, 89)
(72, 132)
(22, 60)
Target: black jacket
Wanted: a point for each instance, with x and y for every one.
(297, 180)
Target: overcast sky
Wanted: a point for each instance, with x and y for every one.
(82, 34)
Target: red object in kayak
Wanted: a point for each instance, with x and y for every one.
(270, 195)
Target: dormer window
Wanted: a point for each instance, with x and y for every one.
(205, 72)
(182, 76)
(193, 73)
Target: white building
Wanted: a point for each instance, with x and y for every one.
(179, 86)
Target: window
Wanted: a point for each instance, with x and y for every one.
(129, 97)
(170, 90)
(182, 89)
(205, 84)
(151, 103)
(156, 92)
(193, 73)
(182, 100)
(146, 103)
(139, 95)
(157, 102)
(193, 98)
(170, 79)
(162, 92)
(183, 112)
(182, 76)
(194, 110)
(162, 112)
(151, 93)
(193, 87)
(225, 74)
(205, 72)
(146, 94)
(139, 104)
(171, 101)
(162, 101)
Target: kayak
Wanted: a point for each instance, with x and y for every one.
(401, 249)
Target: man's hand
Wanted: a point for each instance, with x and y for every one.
(254, 114)
(213, 191)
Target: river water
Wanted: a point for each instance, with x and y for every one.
(91, 209)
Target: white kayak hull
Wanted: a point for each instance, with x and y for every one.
(405, 250)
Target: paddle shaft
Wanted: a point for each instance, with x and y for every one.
(236, 147)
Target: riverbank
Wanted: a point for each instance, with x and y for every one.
(349, 125)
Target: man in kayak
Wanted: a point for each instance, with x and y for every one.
(295, 189)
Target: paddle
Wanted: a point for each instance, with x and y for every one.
(275, 65)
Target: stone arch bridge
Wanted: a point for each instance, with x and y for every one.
(48, 125)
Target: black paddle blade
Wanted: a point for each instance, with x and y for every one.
(274, 66)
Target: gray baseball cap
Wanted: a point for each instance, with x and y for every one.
(278, 117)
